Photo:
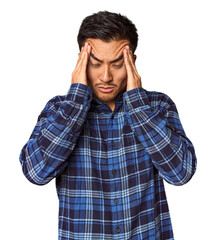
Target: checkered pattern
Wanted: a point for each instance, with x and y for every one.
(109, 166)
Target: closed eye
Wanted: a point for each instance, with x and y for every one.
(118, 66)
(95, 65)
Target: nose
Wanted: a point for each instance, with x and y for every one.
(106, 75)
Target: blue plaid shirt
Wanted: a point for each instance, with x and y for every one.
(110, 165)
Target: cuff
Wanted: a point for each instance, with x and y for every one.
(79, 93)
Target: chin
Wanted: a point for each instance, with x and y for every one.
(106, 97)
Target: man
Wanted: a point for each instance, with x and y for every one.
(109, 142)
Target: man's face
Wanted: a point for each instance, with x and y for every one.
(106, 68)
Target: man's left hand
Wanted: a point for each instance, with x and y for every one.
(133, 78)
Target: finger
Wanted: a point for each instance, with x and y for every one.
(130, 56)
(82, 65)
(79, 57)
(132, 61)
(127, 63)
(85, 59)
(127, 58)
(82, 55)
(83, 49)
(89, 49)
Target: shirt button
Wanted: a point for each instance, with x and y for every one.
(118, 230)
(112, 143)
(114, 171)
(112, 116)
(116, 200)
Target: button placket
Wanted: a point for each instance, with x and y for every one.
(116, 201)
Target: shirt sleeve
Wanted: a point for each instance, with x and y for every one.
(54, 137)
(160, 131)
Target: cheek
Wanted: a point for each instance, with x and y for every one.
(121, 74)
(90, 73)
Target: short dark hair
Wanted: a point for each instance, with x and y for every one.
(108, 26)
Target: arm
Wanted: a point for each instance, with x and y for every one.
(59, 125)
(158, 128)
(54, 137)
(161, 133)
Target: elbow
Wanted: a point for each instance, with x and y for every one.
(179, 180)
(36, 181)
(33, 173)
(33, 177)
(182, 177)
(185, 171)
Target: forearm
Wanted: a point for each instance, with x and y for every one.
(172, 153)
(45, 155)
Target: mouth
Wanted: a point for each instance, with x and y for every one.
(106, 90)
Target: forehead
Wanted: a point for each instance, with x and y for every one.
(107, 51)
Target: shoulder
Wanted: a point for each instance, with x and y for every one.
(56, 100)
(159, 99)
(52, 105)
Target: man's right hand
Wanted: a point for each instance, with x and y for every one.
(79, 74)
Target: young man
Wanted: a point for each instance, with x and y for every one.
(109, 142)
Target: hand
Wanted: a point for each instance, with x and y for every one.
(79, 74)
(133, 78)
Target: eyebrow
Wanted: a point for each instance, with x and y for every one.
(116, 60)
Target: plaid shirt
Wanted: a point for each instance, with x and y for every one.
(110, 165)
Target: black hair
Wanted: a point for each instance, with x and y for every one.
(108, 26)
